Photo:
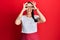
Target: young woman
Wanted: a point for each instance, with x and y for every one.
(29, 21)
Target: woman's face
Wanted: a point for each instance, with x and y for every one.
(29, 7)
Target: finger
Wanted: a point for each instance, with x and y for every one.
(25, 3)
(34, 2)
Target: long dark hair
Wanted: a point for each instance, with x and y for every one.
(32, 13)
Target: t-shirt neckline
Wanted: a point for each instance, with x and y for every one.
(28, 17)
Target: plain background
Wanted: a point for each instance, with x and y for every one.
(10, 9)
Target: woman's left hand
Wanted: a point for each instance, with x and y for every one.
(34, 4)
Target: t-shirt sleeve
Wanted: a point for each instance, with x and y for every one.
(19, 18)
(36, 16)
(23, 17)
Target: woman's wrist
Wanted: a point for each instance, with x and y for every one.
(23, 10)
(36, 9)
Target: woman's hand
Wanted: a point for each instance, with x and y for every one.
(34, 4)
(42, 18)
(24, 5)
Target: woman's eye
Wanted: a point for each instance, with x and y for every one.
(32, 6)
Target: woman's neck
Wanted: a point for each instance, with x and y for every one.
(29, 15)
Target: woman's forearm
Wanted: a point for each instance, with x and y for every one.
(19, 16)
(41, 16)
(18, 20)
(21, 13)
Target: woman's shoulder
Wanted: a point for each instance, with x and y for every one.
(23, 16)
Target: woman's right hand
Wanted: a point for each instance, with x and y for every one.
(24, 6)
